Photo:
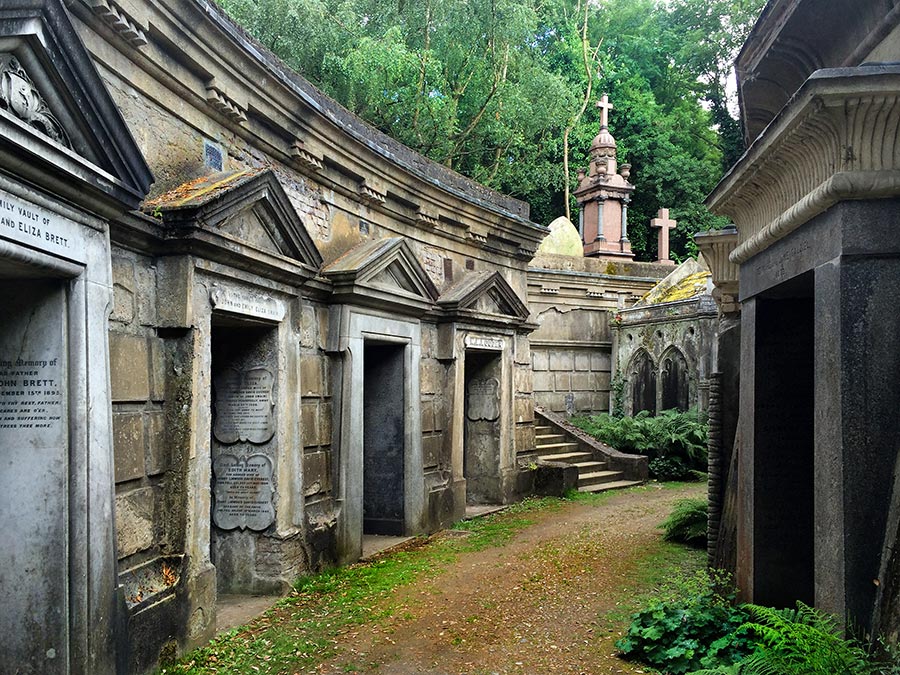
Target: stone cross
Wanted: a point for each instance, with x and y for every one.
(605, 106)
(664, 223)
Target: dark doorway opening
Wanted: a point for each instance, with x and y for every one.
(783, 447)
(674, 381)
(481, 445)
(384, 438)
(643, 383)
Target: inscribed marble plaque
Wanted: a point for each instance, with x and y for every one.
(484, 399)
(26, 223)
(245, 406)
(243, 491)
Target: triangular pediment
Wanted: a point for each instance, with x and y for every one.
(244, 212)
(486, 297)
(57, 115)
(382, 273)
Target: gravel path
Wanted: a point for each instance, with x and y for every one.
(553, 600)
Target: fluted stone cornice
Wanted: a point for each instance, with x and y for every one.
(837, 139)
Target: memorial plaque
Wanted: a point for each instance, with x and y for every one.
(26, 223)
(484, 342)
(243, 492)
(246, 303)
(245, 406)
(484, 399)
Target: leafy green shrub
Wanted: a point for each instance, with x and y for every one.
(673, 441)
(687, 522)
(697, 627)
(802, 641)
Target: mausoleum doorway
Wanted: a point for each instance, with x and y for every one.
(244, 453)
(384, 438)
(483, 424)
(782, 471)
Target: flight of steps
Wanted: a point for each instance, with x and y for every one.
(556, 445)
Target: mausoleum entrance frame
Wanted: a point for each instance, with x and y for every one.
(86, 555)
(355, 328)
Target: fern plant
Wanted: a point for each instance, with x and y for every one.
(801, 641)
(687, 523)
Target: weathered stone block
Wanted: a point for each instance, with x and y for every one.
(582, 381)
(145, 293)
(582, 361)
(543, 381)
(134, 521)
(157, 443)
(128, 367)
(563, 382)
(157, 369)
(316, 477)
(429, 340)
(427, 417)
(309, 327)
(523, 378)
(524, 438)
(128, 445)
(523, 350)
(309, 423)
(123, 291)
(440, 412)
(322, 313)
(431, 450)
(524, 409)
(561, 361)
(600, 381)
(600, 402)
(325, 413)
(311, 375)
(540, 360)
(431, 376)
(600, 361)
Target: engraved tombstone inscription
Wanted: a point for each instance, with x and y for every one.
(484, 399)
(243, 492)
(244, 405)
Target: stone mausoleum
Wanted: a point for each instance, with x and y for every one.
(811, 504)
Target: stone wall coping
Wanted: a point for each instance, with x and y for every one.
(834, 140)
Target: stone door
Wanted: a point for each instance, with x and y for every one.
(384, 439)
(481, 450)
(34, 478)
(674, 381)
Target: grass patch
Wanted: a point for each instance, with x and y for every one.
(301, 630)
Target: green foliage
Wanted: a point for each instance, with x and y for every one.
(687, 523)
(488, 87)
(674, 441)
(697, 626)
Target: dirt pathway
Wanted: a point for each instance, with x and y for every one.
(553, 600)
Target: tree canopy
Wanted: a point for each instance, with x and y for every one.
(501, 90)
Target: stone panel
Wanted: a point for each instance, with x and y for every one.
(431, 376)
(123, 309)
(563, 382)
(325, 413)
(157, 369)
(561, 360)
(524, 410)
(440, 422)
(582, 361)
(134, 521)
(427, 417)
(309, 421)
(431, 450)
(600, 361)
(157, 445)
(523, 380)
(128, 445)
(311, 375)
(315, 473)
(309, 327)
(524, 438)
(582, 382)
(543, 381)
(540, 360)
(523, 350)
(129, 374)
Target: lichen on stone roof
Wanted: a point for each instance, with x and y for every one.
(690, 279)
(199, 191)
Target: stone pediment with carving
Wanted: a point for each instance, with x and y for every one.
(484, 297)
(385, 274)
(239, 212)
(58, 124)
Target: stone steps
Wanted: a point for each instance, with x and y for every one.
(615, 485)
(555, 443)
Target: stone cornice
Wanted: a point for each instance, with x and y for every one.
(194, 46)
(836, 139)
